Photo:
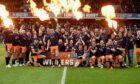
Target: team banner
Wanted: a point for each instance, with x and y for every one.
(70, 15)
(66, 58)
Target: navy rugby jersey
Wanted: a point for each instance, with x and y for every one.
(108, 49)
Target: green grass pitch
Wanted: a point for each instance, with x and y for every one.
(83, 75)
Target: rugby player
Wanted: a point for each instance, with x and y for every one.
(122, 43)
(101, 54)
(93, 53)
(81, 56)
(16, 46)
(138, 48)
(28, 45)
(53, 42)
(109, 53)
(23, 42)
(35, 53)
(117, 55)
(130, 41)
(62, 49)
(7, 34)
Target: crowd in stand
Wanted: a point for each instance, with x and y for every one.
(101, 47)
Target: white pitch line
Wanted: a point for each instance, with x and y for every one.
(64, 75)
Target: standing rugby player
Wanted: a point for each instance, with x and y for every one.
(23, 42)
(122, 43)
(28, 47)
(16, 46)
(53, 42)
(7, 34)
(130, 40)
(138, 48)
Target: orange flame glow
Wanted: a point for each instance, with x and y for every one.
(86, 8)
(109, 13)
(40, 13)
(4, 16)
(64, 6)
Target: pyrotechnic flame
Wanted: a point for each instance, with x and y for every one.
(40, 13)
(7, 22)
(86, 8)
(55, 9)
(64, 6)
(4, 16)
(78, 15)
(75, 6)
(112, 23)
(109, 13)
(115, 24)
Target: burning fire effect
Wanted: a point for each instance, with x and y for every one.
(109, 13)
(86, 8)
(59, 6)
(40, 13)
(4, 16)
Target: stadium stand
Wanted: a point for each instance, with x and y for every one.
(122, 6)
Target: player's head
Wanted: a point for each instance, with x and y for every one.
(83, 29)
(120, 34)
(101, 31)
(80, 47)
(129, 34)
(93, 42)
(102, 43)
(35, 36)
(112, 35)
(15, 31)
(62, 30)
(23, 31)
(28, 33)
(60, 41)
(40, 33)
(71, 29)
(52, 31)
(71, 41)
(116, 43)
(110, 42)
(138, 32)
(35, 41)
(96, 30)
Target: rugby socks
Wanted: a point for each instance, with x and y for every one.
(138, 63)
(111, 64)
(53, 61)
(13, 61)
(7, 60)
(59, 62)
(121, 64)
(21, 60)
